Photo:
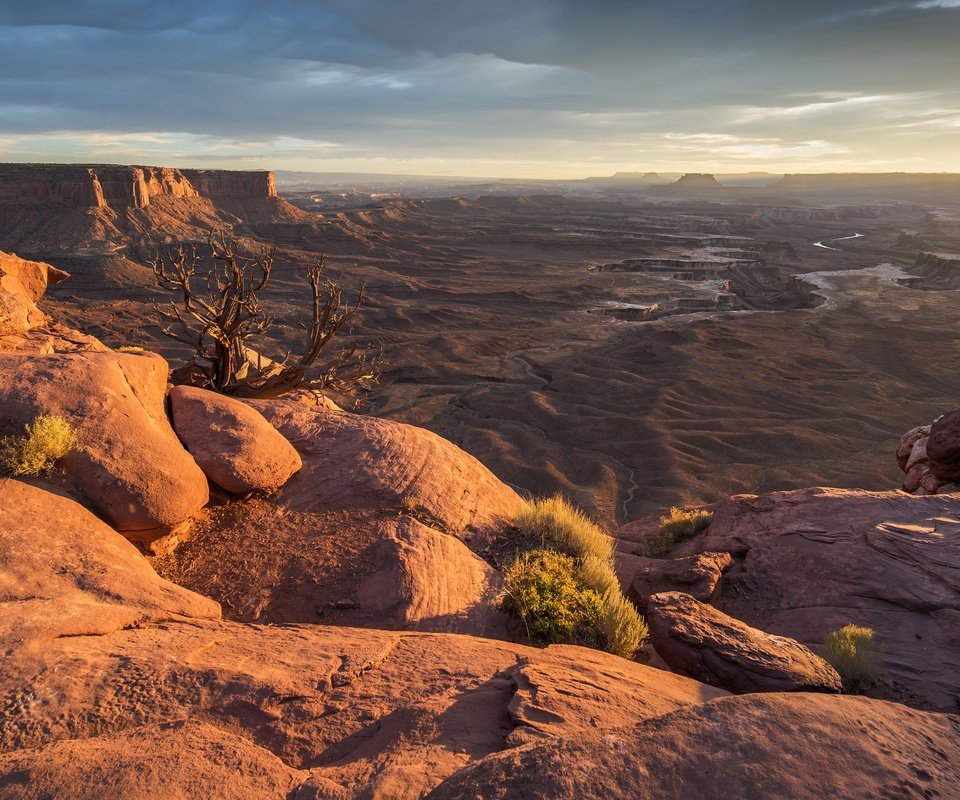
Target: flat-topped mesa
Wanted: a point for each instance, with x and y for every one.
(124, 187)
(53, 209)
(698, 180)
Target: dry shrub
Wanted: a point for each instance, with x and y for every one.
(852, 653)
(541, 589)
(675, 527)
(48, 439)
(557, 524)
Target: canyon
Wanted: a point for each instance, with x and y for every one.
(629, 349)
(276, 598)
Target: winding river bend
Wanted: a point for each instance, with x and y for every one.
(838, 239)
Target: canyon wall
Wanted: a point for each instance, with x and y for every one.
(52, 209)
(123, 187)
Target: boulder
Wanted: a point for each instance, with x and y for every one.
(234, 445)
(701, 642)
(63, 572)
(377, 528)
(426, 580)
(129, 462)
(813, 560)
(22, 284)
(810, 561)
(697, 575)
(943, 447)
(797, 746)
(929, 456)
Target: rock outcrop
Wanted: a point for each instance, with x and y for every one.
(797, 746)
(234, 445)
(129, 463)
(697, 575)
(151, 699)
(56, 208)
(63, 572)
(698, 641)
(22, 284)
(929, 455)
(381, 526)
(813, 560)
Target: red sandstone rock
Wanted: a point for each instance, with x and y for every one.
(22, 284)
(182, 759)
(65, 573)
(234, 445)
(129, 463)
(797, 746)
(698, 576)
(375, 529)
(943, 447)
(380, 714)
(813, 560)
(698, 641)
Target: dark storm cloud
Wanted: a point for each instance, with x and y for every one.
(558, 82)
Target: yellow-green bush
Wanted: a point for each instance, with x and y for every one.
(559, 525)
(674, 528)
(622, 628)
(542, 590)
(47, 439)
(851, 652)
(552, 524)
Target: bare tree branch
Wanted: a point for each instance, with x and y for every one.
(218, 311)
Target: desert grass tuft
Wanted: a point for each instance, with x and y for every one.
(553, 524)
(47, 439)
(674, 528)
(852, 653)
(558, 524)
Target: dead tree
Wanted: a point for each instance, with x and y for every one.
(218, 312)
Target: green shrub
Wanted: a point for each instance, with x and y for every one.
(553, 525)
(677, 526)
(542, 590)
(47, 439)
(851, 652)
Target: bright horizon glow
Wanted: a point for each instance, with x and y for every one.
(524, 89)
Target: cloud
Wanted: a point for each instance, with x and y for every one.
(538, 84)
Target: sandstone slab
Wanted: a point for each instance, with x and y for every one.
(798, 746)
(63, 572)
(813, 560)
(233, 444)
(375, 713)
(701, 642)
(697, 575)
(381, 526)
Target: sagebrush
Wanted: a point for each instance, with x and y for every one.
(553, 525)
(852, 653)
(541, 588)
(674, 528)
(46, 440)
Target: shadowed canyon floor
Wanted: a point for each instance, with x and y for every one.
(634, 352)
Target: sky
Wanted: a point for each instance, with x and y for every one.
(491, 88)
